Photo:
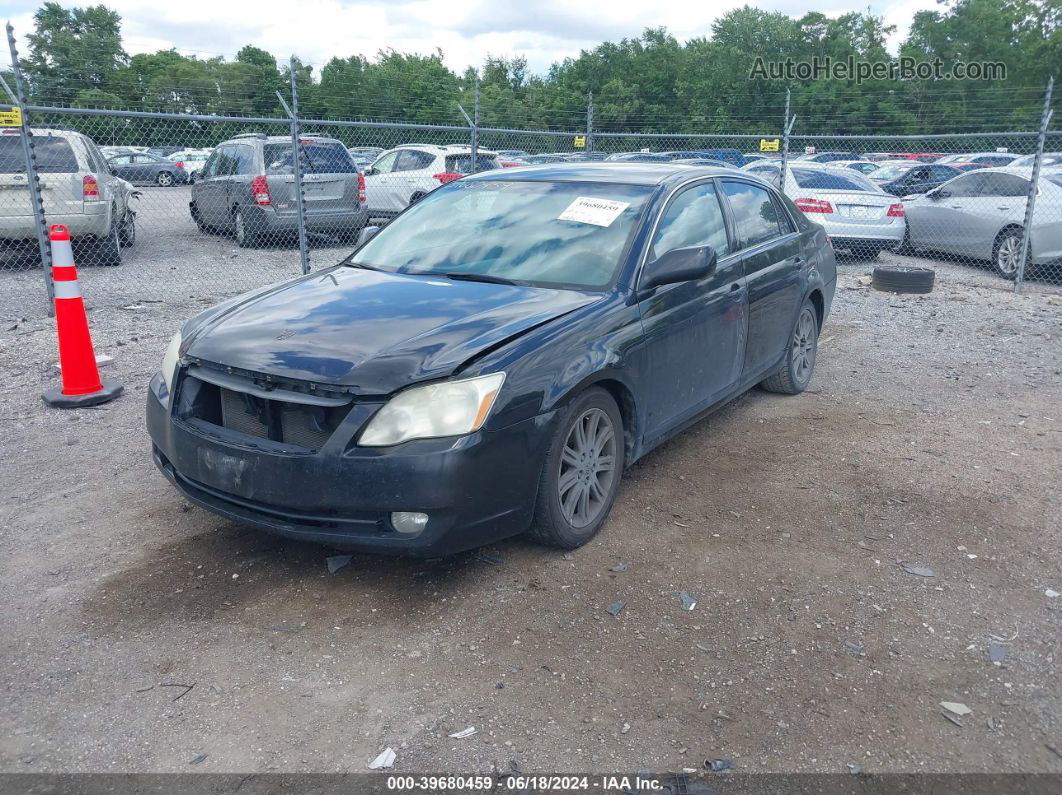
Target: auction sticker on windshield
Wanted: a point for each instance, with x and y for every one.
(599, 212)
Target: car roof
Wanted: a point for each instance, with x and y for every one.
(452, 149)
(617, 172)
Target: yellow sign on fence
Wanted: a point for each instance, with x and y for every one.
(580, 142)
(769, 145)
(11, 118)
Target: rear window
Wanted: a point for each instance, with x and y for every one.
(54, 155)
(462, 164)
(317, 158)
(822, 180)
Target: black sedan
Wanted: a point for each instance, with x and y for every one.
(148, 169)
(907, 180)
(493, 360)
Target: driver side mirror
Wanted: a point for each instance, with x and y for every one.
(370, 172)
(679, 265)
(938, 194)
(366, 234)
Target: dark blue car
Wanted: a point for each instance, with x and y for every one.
(493, 360)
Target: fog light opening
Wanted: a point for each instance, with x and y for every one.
(408, 522)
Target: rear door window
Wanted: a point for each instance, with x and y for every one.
(755, 214)
(413, 160)
(54, 155)
(1004, 185)
(462, 164)
(244, 156)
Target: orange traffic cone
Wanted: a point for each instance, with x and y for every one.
(81, 382)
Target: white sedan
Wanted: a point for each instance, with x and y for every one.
(857, 214)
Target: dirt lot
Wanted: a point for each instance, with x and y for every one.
(143, 634)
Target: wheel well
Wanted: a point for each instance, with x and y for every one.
(817, 302)
(625, 400)
(1004, 230)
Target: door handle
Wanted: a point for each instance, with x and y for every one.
(1002, 208)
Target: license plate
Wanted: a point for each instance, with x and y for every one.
(861, 211)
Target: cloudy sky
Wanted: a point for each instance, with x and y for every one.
(466, 30)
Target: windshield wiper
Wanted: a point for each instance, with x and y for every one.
(363, 265)
(479, 277)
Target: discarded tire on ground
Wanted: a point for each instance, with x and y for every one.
(903, 279)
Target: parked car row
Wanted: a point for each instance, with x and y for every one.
(943, 208)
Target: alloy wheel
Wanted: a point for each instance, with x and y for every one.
(587, 468)
(1008, 255)
(803, 349)
(165, 179)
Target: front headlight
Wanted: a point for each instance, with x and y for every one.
(446, 408)
(169, 361)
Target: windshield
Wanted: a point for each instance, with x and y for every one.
(557, 234)
(890, 172)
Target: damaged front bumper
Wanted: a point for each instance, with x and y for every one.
(475, 489)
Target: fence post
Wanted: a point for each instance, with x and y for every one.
(589, 122)
(32, 178)
(786, 127)
(475, 127)
(304, 254)
(1030, 202)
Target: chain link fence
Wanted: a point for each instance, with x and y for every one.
(183, 207)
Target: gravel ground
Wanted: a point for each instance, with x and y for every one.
(143, 634)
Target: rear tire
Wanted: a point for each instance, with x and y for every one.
(244, 236)
(164, 179)
(581, 471)
(416, 197)
(108, 251)
(1006, 253)
(127, 229)
(795, 373)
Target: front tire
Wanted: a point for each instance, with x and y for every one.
(581, 472)
(794, 375)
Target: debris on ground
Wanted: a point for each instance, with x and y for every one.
(952, 718)
(855, 770)
(856, 648)
(956, 707)
(568, 556)
(626, 728)
(619, 568)
(199, 759)
(336, 562)
(487, 557)
(997, 653)
(719, 764)
(688, 602)
(614, 608)
(464, 733)
(918, 571)
(385, 759)
(1051, 593)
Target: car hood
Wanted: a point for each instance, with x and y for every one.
(371, 331)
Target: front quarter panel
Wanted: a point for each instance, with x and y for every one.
(548, 365)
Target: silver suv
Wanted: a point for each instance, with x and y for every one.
(247, 188)
(77, 189)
